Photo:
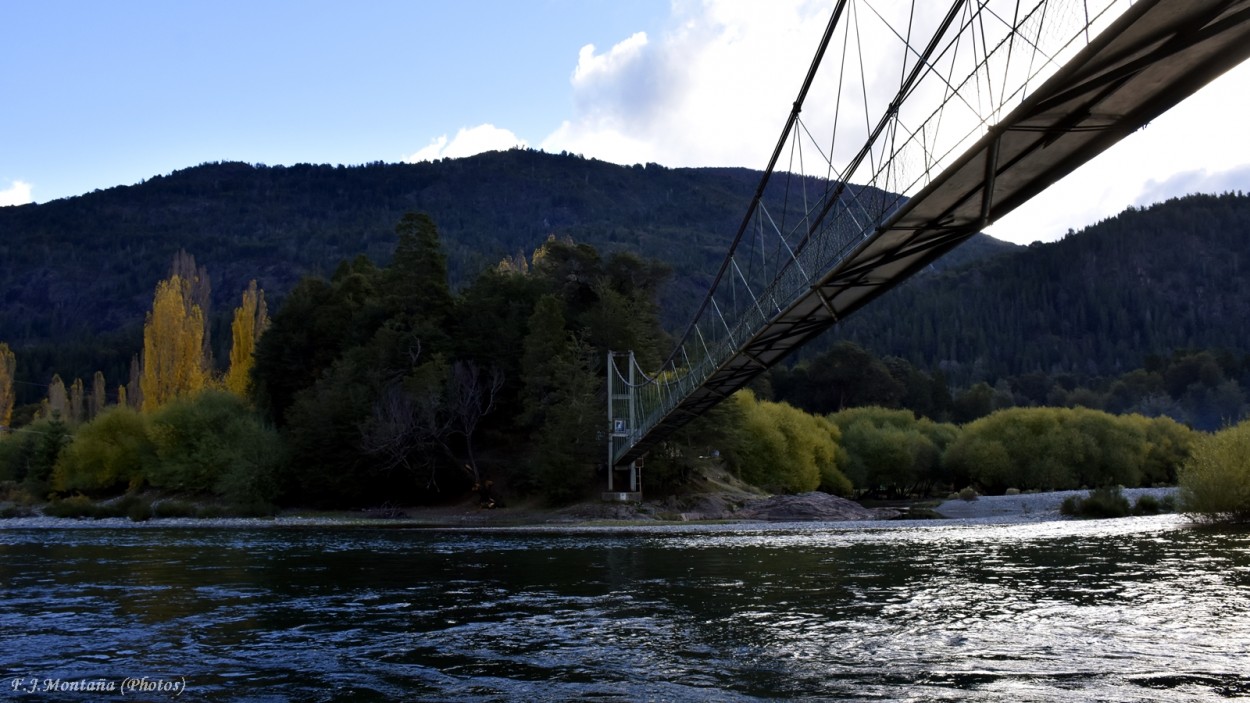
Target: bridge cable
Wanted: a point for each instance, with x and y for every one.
(772, 162)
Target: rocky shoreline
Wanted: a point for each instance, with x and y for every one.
(712, 507)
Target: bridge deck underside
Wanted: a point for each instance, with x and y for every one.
(1156, 55)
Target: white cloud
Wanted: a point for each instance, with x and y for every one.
(1200, 181)
(715, 87)
(18, 193)
(467, 142)
(713, 90)
(1200, 145)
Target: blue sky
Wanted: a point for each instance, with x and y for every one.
(98, 94)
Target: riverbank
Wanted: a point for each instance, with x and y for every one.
(732, 506)
(1036, 506)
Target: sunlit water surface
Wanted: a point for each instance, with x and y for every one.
(1116, 610)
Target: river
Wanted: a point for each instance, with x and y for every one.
(1131, 609)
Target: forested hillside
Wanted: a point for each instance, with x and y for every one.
(1101, 302)
(376, 382)
(76, 275)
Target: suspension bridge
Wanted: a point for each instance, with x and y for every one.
(916, 127)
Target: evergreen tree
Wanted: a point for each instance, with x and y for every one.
(560, 404)
(416, 280)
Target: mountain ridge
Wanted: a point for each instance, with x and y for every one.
(77, 274)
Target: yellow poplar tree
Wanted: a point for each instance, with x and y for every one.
(134, 385)
(98, 398)
(8, 369)
(250, 320)
(173, 347)
(77, 402)
(58, 399)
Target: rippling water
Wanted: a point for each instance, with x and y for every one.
(1117, 610)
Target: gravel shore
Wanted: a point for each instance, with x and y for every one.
(1029, 505)
(810, 507)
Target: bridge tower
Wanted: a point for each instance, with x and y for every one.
(623, 428)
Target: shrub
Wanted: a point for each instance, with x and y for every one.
(968, 493)
(12, 511)
(785, 450)
(29, 455)
(1215, 481)
(1147, 505)
(172, 508)
(1056, 448)
(1012, 492)
(78, 506)
(1169, 444)
(1070, 506)
(107, 455)
(1100, 503)
(213, 444)
(890, 451)
(134, 507)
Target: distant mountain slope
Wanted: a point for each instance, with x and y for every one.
(75, 268)
(77, 275)
(1148, 281)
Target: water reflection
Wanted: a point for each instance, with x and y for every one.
(1133, 609)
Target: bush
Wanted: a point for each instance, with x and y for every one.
(1012, 492)
(213, 444)
(785, 450)
(969, 494)
(12, 511)
(173, 508)
(30, 453)
(78, 506)
(1100, 503)
(1056, 448)
(1147, 505)
(107, 456)
(1215, 481)
(134, 507)
(890, 452)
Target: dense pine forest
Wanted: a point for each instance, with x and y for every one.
(412, 333)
